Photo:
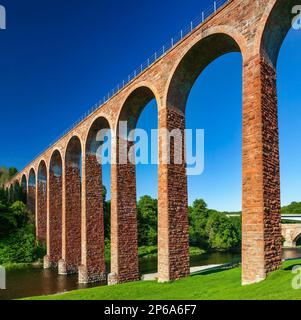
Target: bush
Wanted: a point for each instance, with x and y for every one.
(21, 247)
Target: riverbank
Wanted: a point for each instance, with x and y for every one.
(208, 285)
(152, 252)
(20, 266)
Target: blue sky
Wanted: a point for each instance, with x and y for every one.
(57, 58)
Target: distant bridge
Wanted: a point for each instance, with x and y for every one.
(291, 217)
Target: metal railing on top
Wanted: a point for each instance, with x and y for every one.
(146, 64)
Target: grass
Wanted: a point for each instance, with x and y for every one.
(210, 285)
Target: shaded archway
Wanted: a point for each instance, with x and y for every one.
(42, 202)
(23, 186)
(298, 240)
(278, 22)
(54, 221)
(193, 63)
(124, 236)
(97, 149)
(71, 254)
(31, 195)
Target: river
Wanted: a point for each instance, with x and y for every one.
(36, 281)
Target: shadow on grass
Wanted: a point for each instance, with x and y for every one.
(290, 267)
(208, 272)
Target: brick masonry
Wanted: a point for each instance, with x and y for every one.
(173, 236)
(254, 28)
(93, 268)
(54, 249)
(42, 211)
(124, 233)
(72, 250)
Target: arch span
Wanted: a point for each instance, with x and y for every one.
(276, 23)
(194, 61)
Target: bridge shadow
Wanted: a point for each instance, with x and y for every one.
(294, 263)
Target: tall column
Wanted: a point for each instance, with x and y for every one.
(93, 268)
(173, 226)
(71, 241)
(31, 201)
(54, 221)
(41, 210)
(261, 221)
(124, 234)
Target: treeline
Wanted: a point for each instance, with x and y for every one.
(293, 208)
(6, 174)
(17, 233)
(208, 229)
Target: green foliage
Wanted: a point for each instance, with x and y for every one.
(293, 208)
(12, 218)
(147, 221)
(221, 232)
(6, 174)
(17, 235)
(107, 214)
(198, 217)
(21, 247)
(210, 229)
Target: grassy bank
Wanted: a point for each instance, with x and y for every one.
(210, 285)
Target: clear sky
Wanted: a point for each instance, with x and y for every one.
(59, 57)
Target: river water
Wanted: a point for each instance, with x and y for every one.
(36, 281)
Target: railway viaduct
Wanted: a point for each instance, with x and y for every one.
(67, 199)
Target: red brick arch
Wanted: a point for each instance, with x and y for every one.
(203, 50)
(273, 28)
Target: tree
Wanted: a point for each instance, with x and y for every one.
(293, 208)
(221, 232)
(12, 171)
(198, 216)
(147, 221)
(106, 214)
(6, 174)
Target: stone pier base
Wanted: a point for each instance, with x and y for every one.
(63, 269)
(84, 276)
(46, 262)
(112, 279)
